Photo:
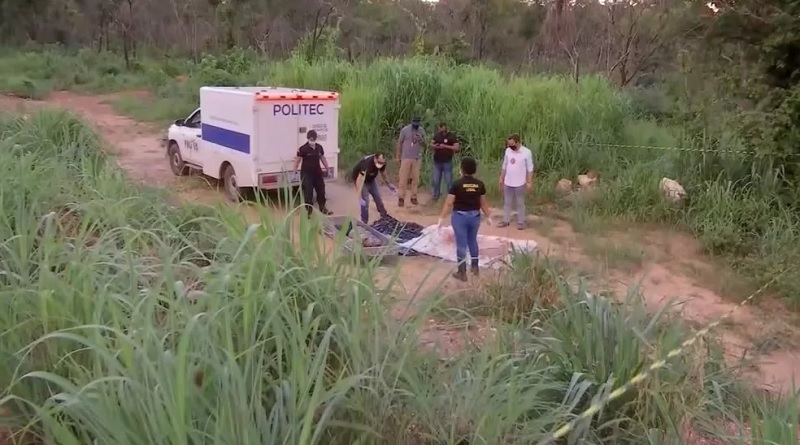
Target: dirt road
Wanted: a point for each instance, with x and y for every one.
(660, 269)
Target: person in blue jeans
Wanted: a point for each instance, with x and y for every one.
(466, 199)
(370, 166)
(444, 144)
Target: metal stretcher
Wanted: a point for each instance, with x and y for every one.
(345, 226)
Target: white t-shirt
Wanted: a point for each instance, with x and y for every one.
(517, 164)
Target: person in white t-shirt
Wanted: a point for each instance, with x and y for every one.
(516, 179)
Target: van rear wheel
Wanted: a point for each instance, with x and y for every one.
(230, 185)
(176, 163)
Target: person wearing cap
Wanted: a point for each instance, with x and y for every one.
(408, 150)
(369, 167)
(310, 158)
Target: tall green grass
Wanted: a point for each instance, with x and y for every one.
(128, 321)
(739, 207)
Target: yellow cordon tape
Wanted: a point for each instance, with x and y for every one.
(638, 378)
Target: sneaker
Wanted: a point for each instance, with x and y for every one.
(474, 271)
(503, 224)
(414, 201)
(520, 226)
(460, 275)
(325, 212)
(401, 202)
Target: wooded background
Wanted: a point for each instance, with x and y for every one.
(727, 65)
(622, 39)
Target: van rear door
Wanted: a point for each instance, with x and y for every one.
(276, 145)
(322, 116)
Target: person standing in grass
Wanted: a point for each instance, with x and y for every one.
(445, 144)
(466, 198)
(408, 150)
(310, 158)
(516, 179)
(367, 170)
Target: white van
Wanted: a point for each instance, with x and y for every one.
(248, 137)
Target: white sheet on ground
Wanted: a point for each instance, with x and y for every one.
(494, 251)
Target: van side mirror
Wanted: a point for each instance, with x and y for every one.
(179, 122)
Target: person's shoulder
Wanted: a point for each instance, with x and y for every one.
(452, 136)
(526, 150)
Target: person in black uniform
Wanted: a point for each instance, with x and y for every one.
(370, 166)
(466, 199)
(445, 144)
(312, 177)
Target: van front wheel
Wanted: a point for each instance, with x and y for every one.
(176, 163)
(230, 185)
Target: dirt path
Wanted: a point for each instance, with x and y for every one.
(664, 265)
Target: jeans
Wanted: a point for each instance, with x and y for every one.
(465, 229)
(371, 188)
(511, 194)
(442, 170)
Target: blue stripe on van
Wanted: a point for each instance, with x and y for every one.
(226, 138)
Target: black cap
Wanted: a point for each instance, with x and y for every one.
(415, 119)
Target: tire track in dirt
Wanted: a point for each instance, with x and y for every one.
(138, 149)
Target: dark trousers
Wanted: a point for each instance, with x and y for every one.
(465, 229)
(310, 184)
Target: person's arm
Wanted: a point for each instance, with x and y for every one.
(503, 170)
(485, 204)
(529, 166)
(384, 177)
(322, 158)
(297, 159)
(357, 171)
(485, 207)
(447, 207)
(398, 147)
(455, 146)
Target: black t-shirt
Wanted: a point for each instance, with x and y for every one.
(468, 191)
(311, 159)
(367, 165)
(443, 154)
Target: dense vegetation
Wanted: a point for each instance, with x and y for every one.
(127, 320)
(738, 204)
